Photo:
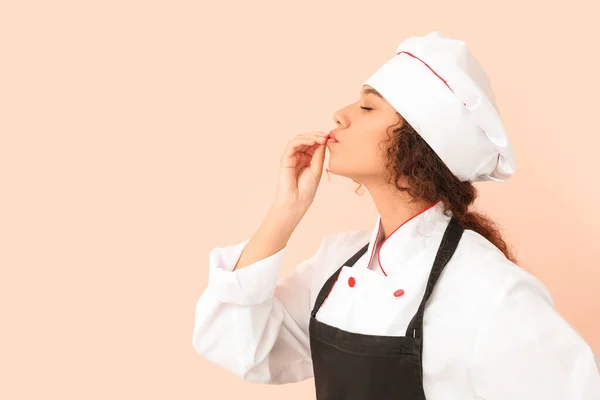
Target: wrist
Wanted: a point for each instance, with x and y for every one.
(285, 215)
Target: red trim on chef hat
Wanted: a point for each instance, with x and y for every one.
(462, 124)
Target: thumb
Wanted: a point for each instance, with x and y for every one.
(316, 163)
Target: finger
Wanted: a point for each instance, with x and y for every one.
(305, 143)
(305, 159)
(314, 134)
(311, 150)
(301, 145)
(318, 139)
(319, 134)
(298, 145)
(316, 163)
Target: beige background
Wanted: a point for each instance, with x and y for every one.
(137, 135)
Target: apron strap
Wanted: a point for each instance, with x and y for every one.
(449, 243)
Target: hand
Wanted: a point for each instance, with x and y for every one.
(301, 168)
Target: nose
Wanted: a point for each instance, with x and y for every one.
(340, 119)
(337, 118)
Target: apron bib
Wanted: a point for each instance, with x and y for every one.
(354, 366)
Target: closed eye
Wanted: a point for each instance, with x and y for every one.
(366, 108)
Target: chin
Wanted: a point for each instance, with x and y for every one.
(332, 168)
(336, 169)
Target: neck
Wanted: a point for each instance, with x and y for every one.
(394, 207)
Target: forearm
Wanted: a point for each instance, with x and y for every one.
(272, 235)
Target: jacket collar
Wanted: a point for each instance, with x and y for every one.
(406, 241)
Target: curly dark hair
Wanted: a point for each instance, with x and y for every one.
(429, 179)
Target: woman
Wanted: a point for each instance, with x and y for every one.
(429, 304)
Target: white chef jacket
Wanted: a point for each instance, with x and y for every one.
(490, 330)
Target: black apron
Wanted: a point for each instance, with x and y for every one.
(354, 366)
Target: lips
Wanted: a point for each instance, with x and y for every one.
(332, 136)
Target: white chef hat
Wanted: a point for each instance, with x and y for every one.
(437, 85)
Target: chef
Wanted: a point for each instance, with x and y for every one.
(431, 308)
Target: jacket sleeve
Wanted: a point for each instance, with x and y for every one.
(525, 350)
(252, 323)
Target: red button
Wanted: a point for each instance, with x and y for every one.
(351, 282)
(398, 292)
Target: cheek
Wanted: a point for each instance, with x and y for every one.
(372, 162)
(374, 147)
(358, 158)
(374, 155)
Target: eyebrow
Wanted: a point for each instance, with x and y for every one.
(372, 91)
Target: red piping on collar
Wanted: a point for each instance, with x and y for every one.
(385, 240)
(372, 251)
